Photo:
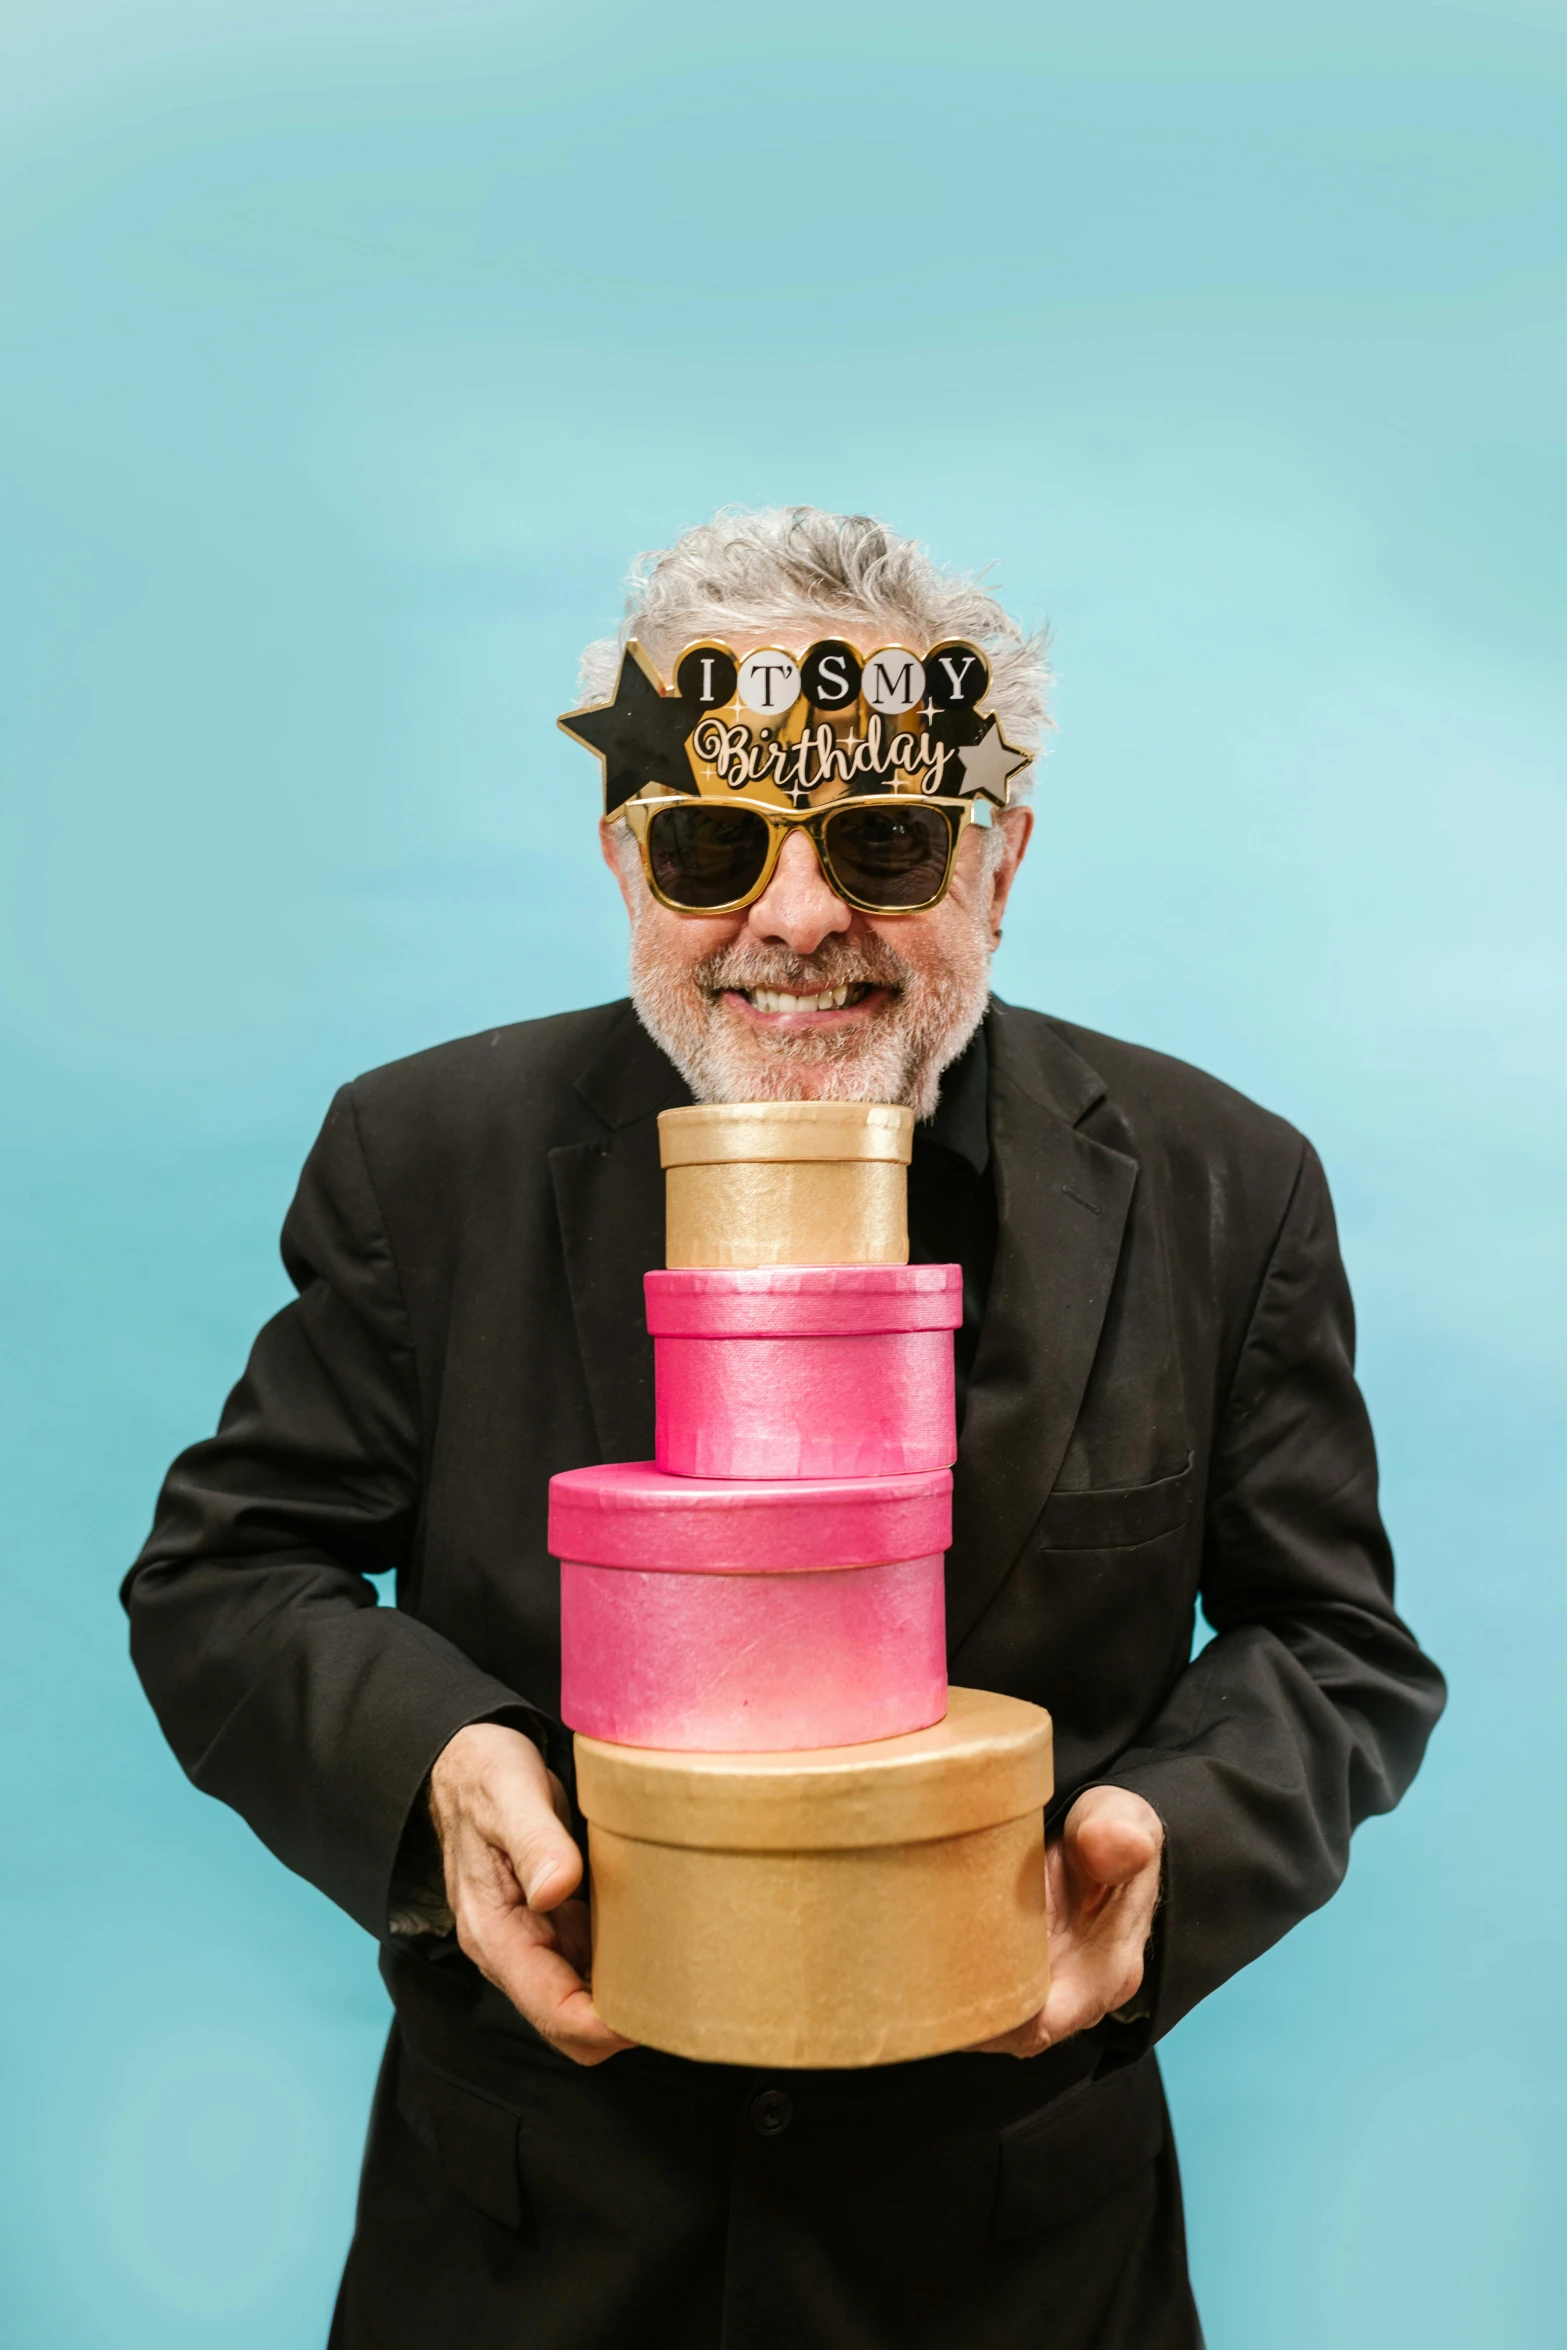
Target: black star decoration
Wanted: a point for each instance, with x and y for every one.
(639, 737)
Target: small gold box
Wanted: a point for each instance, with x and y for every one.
(786, 1183)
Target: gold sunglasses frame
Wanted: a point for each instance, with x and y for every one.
(637, 816)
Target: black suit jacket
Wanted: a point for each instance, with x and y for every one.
(1162, 1410)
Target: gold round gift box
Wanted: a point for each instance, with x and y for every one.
(786, 1183)
(848, 1905)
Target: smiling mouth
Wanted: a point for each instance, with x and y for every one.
(776, 1001)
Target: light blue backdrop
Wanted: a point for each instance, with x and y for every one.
(348, 349)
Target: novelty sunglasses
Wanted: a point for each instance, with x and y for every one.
(886, 855)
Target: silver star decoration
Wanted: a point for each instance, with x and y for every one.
(990, 764)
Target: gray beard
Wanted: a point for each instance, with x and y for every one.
(896, 1055)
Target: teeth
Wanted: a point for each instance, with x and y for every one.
(773, 999)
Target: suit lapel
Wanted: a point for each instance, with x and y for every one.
(1062, 1201)
(609, 1200)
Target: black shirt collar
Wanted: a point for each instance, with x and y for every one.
(960, 1121)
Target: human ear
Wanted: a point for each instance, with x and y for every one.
(1014, 826)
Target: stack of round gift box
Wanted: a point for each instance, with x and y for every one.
(804, 1849)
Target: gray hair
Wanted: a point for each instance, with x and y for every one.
(756, 570)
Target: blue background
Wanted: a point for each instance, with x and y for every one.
(348, 349)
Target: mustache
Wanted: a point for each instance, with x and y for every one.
(837, 962)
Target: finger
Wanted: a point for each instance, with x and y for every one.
(1071, 2008)
(1057, 1891)
(1111, 1849)
(1030, 2039)
(520, 1955)
(1092, 1984)
(573, 1929)
(1110, 1834)
(542, 1852)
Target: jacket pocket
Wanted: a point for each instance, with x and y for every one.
(471, 2137)
(1115, 1517)
(1058, 2163)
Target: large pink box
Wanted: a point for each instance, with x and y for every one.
(805, 1371)
(732, 1616)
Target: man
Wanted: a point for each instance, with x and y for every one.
(1158, 1405)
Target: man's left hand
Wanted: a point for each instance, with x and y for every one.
(1102, 1886)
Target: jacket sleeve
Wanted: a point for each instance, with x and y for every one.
(282, 1686)
(1310, 1708)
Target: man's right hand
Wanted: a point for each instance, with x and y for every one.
(512, 1870)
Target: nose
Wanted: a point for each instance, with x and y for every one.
(797, 909)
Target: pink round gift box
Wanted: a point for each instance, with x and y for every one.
(732, 1617)
(805, 1371)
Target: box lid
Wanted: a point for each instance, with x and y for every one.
(802, 1301)
(632, 1514)
(990, 1760)
(721, 1133)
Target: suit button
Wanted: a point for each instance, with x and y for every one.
(771, 2113)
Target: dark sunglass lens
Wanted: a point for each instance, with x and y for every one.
(704, 857)
(893, 856)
